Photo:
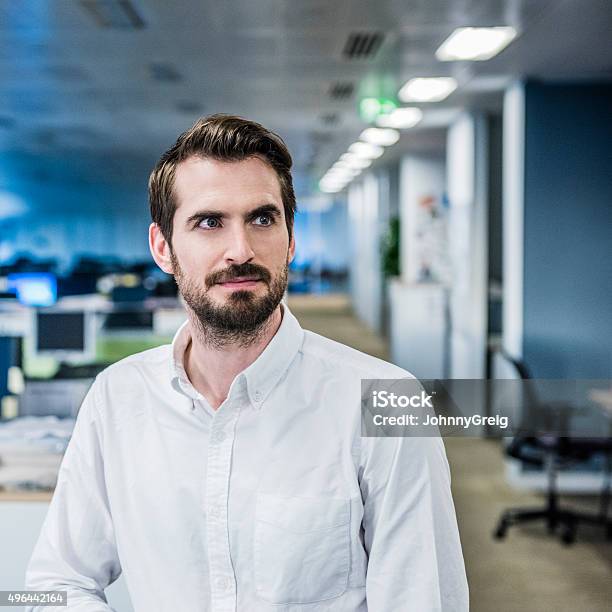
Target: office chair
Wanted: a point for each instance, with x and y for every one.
(539, 447)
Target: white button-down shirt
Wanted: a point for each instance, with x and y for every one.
(273, 502)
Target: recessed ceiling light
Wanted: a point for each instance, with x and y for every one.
(365, 150)
(475, 44)
(401, 118)
(327, 188)
(348, 157)
(339, 173)
(356, 163)
(385, 137)
(427, 89)
(330, 179)
(353, 163)
(336, 178)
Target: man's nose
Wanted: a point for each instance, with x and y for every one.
(239, 249)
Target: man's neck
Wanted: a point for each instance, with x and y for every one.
(211, 369)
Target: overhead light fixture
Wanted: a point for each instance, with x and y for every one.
(384, 137)
(370, 108)
(475, 44)
(339, 174)
(427, 89)
(327, 188)
(335, 178)
(342, 167)
(355, 163)
(348, 158)
(365, 150)
(401, 118)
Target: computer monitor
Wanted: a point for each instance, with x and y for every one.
(67, 335)
(141, 320)
(34, 288)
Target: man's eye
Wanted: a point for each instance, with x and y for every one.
(209, 223)
(267, 219)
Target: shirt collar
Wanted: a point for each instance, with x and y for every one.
(262, 375)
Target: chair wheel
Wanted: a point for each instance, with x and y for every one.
(500, 532)
(568, 536)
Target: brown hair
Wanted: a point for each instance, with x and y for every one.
(223, 138)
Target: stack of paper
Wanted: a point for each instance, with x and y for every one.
(31, 450)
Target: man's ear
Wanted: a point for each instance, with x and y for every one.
(291, 252)
(160, 249)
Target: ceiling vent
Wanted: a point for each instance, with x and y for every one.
(362, 45)
(121, 14)
(330, 119)
(164, 72)
(341, 90)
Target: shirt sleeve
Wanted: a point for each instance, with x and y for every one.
(415, 560)
(76, 550)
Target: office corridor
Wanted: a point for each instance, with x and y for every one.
(528, 566)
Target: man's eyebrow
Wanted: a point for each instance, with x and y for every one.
(202, 214)
(271, 209)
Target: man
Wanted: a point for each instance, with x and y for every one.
(227, 471)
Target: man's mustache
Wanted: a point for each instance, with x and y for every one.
(236, 271)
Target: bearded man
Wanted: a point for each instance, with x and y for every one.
(227, 471)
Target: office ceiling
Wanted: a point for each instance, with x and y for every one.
(95, 90)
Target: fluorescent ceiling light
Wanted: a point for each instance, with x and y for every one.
(339, 171)
(385, 137)
(365, 150)
(401, 118)
(333, 181)
(357, 163)
(330, 179)
(348, 158)
(427, 89)
(337, 177)
(341, 164)
(325, 188)
(475, 44)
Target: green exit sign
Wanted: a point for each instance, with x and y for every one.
(371, 108)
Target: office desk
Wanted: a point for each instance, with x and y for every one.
(25, 496)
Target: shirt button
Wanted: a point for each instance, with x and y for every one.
(219, 436)
(214, 511)
(223, 582)
(257, 395)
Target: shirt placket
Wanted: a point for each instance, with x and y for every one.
(222, 577)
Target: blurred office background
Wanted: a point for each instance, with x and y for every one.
(459, 225)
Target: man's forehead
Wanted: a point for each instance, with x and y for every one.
(199, 179)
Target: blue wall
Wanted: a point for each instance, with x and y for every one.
(54, 207)
(322, 236)
(568, 231)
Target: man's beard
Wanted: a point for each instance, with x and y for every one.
(243, 318)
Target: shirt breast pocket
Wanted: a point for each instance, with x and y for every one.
(301, 548)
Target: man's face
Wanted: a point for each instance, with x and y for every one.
(230, 241)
